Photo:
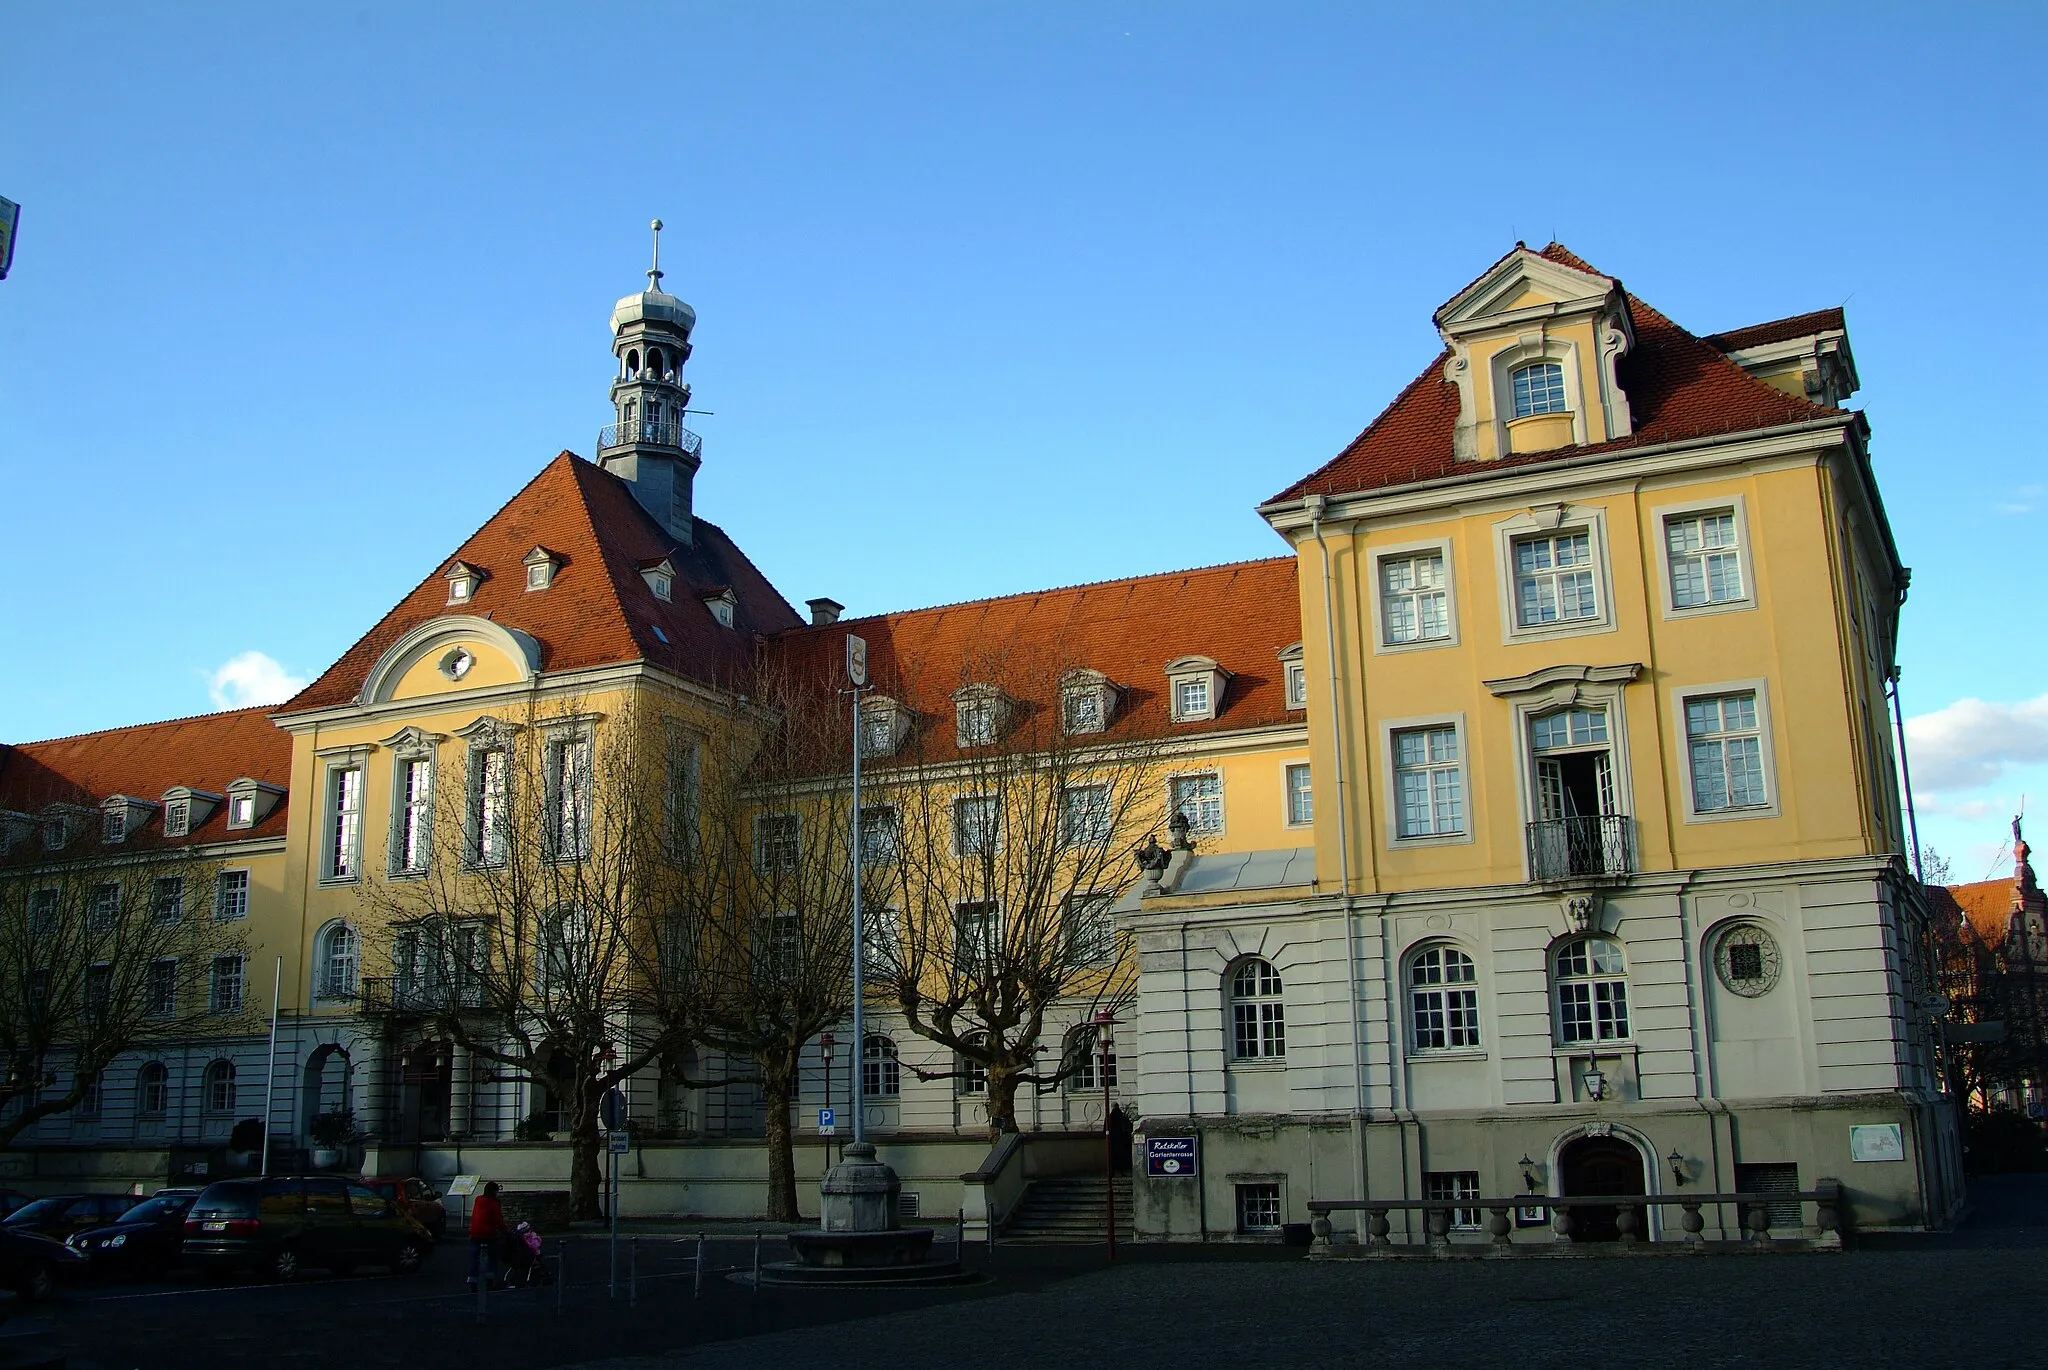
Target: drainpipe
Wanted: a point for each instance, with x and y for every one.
(1314, 506)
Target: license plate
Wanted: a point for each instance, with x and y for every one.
(214, 1227)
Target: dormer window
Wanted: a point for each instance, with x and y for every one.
(186, 808)
(250, 801)
(462, 582)
(178, 818)
(979, 714)
(120, 815)
(661, 578)
(884, 726)
(61, 823)
(724, 607)
(1087, 701)
(1194, 688)
(1295, 674)
(1539, 389)
(541, 565)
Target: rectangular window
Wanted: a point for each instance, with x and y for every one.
(877, 733)
(778, 843)
(103, 907)
(1450, 1185)
(569, 798)
(977, 934)
(177, 818)
(1301, 796)
(114, 824)
(42, 912)
(1554, 579)
(1706, 564)
(1258, 1208)
(1592, 1011)
(878, 828)
(242, 811)
(99, 986)
(344, 822)
(1429, 785)
(1191, 698)
(1725, 750)
(977, 722)
(1091, 933)
(1200, 797)
(1084, 815)
(415, 816)
(977, 825)
(489, 806)
(884, 947)
(1415, 605)
(679, 793)
(153, 1091)
(167, 899)
(224, 994)
(783, 934)
(1297, 685)
(1082, 710)
(160, 989)
(231, 895)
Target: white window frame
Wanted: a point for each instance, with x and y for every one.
(339, 866)
(177, 817)
(158, 904)
(1390, 780)
(1295, 674)
(1552, 521)
(987, 940)
(102, 905)
(994, 808)
(214, 982)
(1660, 519)
(1680, 696)
(1101, 816)
(166, 1005)
(569, 825)
(324, 986)
(487, 843)
(1287, 794)
(1530, 700)
(1442, 991)
(1455, 1186)
(1215, 773)
(45, 909)
(113, 823)
(1267, 1025)
(881, 833)
(210, 1081)
(410, 810)
(1239, 1196)
(1088, 928)
(778, 843)
(1188, 670)
(221, 883)
(881, 1069)
(1514, 405)
(1382, 640)
(152, 1076)
(1559, 980)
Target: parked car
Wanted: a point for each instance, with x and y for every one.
(11, 1199)
(415, 1197)
(280, 1225)
(142, 1241)
(60, 1215)
(31, 1265)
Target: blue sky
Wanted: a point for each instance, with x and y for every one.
(992, 296)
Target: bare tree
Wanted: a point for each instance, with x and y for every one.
(107, 951)
(1016, 815)
(520, 935)
(754, 955)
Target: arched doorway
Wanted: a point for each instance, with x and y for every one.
(1601, 1165)
(326, 1086)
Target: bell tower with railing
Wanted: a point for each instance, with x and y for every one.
(647, 445)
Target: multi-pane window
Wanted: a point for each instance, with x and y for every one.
(679, 793)
(1443, 999)
(976, 722)
(160, 989)
(224, 990)
(1091, 932)
(341, 954)
(783, 934)
(1592, 991)
(1200, 797)
(103, 906)
(778, 843)
(1297, 685)
(1415, 605)
(1706, 565)
(1258, 1020)
(490, 777)
(878, 831)
(1568, 728)
(973, 1073)
(1081, 709)
(177, 818)
(877, 733)
(1301, 795)
(99, 986)
(344, 822)
(242, 811)
(977, 934)
(881, 1076)
(1258, 1208)
(1451, 1186)
(114, 823)
(1090, 1065)
(1429, 785)
(88, 1105)
(231, 895)
(977, 825)
(42, 911)
(167, 899)
(884, 942)
(219, 1092)
(1725, 747)
(1191, 697)
(1538, 389)
(569, 798)
(414, 819)
(1085, 815)
(153, 1089)
(1554, 579)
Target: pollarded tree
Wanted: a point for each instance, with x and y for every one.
(105, 951)
(1015, 818)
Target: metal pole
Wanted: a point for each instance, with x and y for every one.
(697, 1285)
(615, 1219)
(1108, 1146)
(860, 1037)
(561, 1272)
(757, 1260)
(633, 1272)
(270, 1071)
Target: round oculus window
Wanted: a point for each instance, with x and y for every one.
(456, 664)
(1746, 961)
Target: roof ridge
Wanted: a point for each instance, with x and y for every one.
(208, 716)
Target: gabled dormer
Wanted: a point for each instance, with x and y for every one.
(541, 565)
(1088, 701)
(660, 576)
(1195, 686)
(250, 802)
(463, 580)
(1534, 345)
(723, 604)
(187, 809)
(122, 815)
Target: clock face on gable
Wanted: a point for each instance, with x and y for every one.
(1746, 961)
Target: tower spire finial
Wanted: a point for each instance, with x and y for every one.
(654, 272)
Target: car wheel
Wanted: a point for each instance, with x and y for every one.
(38, 1282)
(406, 1260)
(284, 1264)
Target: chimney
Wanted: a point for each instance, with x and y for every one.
(824, 611)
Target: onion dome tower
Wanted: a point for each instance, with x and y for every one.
(647, 446)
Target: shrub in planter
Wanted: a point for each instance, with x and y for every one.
(332, 1130)
(537, 1126)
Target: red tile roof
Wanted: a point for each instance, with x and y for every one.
(1241, 614)
(1779, 330)
(143, 761)
(599, 610)
(1678, 386)
(1988, 906)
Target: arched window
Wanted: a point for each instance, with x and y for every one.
(880, 1076)
(1539, 389)
(1592, 991)
(632, 365)
(153, 1089)
(973, 1074)
(654, 363)
(1443, 999)
(632, 417)
(220, 1087)
(1258, 1020)
(339, 961)
(1084, 1054)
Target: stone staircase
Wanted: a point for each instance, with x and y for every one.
(1068, 1210)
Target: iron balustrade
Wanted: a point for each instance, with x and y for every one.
(1753, 1214)
(391, 995)
(649, 433)
(1567, 848)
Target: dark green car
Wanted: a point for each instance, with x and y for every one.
(279, 1225)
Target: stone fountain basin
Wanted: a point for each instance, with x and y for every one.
(892, 1246)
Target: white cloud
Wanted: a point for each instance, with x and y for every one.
(1972, 742)
(252, 678)
(2024, 501)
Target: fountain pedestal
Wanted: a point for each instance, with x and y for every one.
(859, 1239)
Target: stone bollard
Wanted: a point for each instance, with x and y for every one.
(1625, 1223)
(1498, 1224)
(1694, 1225)
(1319, 1235)
(1377, 1243)
(1436, 1223)
(1561, 1221)
(1758, 1221)
(1827, 1215)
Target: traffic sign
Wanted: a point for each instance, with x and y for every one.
(613, 1110)
(621, 1142)
(828, 1122)
(857, 661)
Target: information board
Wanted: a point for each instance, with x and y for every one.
(1174, 1158)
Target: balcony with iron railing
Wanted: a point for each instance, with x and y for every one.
(1594, 846)
(394, 996)
(649, 433)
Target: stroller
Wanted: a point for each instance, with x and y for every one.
(524, 1267)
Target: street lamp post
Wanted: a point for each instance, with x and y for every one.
(857, 678)
(826, 1041)
(1105, 1022)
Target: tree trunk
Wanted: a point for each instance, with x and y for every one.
(778, 1086)
(586, 1170)
(1002, 1099)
